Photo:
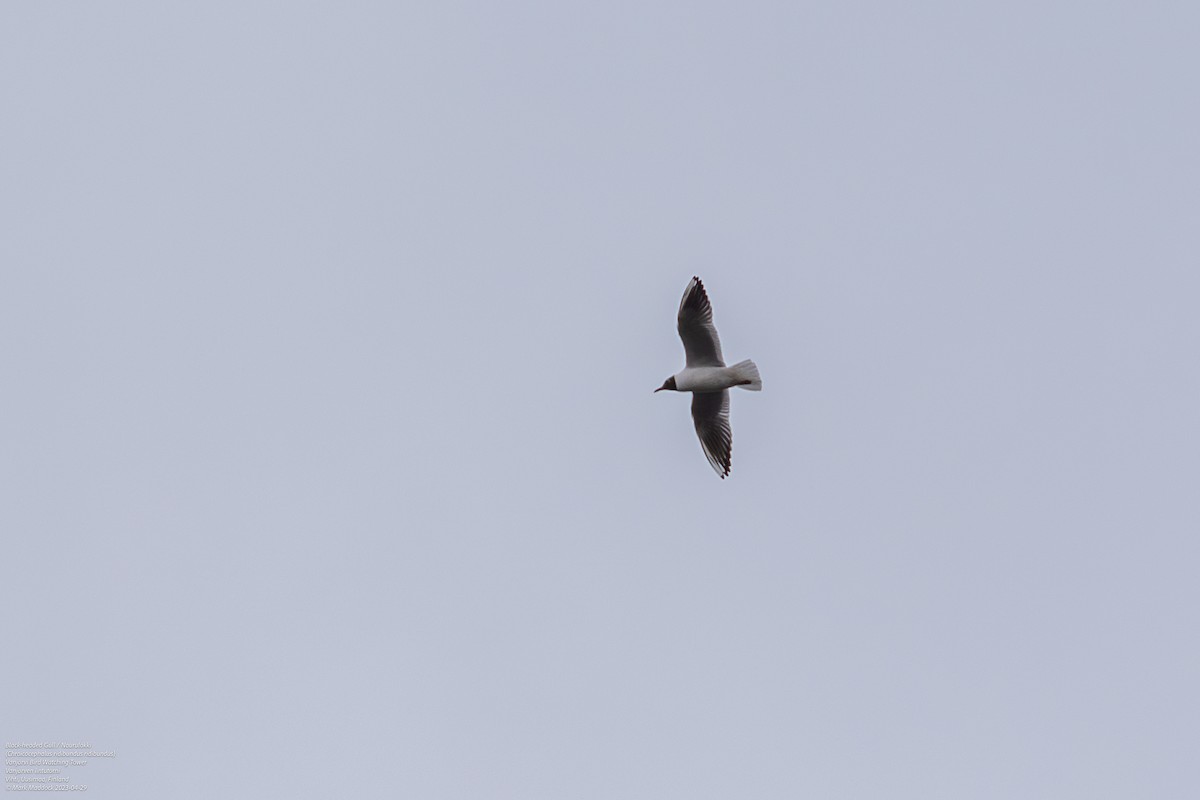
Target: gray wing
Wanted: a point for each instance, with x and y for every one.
(710, 412)
(700, 341)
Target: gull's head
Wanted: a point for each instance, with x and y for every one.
(668, 384)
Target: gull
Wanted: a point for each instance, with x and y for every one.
(707, 378)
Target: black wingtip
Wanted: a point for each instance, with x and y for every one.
(696, 296)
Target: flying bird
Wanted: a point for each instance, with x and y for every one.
(707, 378)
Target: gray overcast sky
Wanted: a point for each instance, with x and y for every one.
(329, 456)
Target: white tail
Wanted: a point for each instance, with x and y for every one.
(748, 371)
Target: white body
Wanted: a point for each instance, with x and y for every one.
(716, 379)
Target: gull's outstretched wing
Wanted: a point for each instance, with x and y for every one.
(700, 341)
(710, 412)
